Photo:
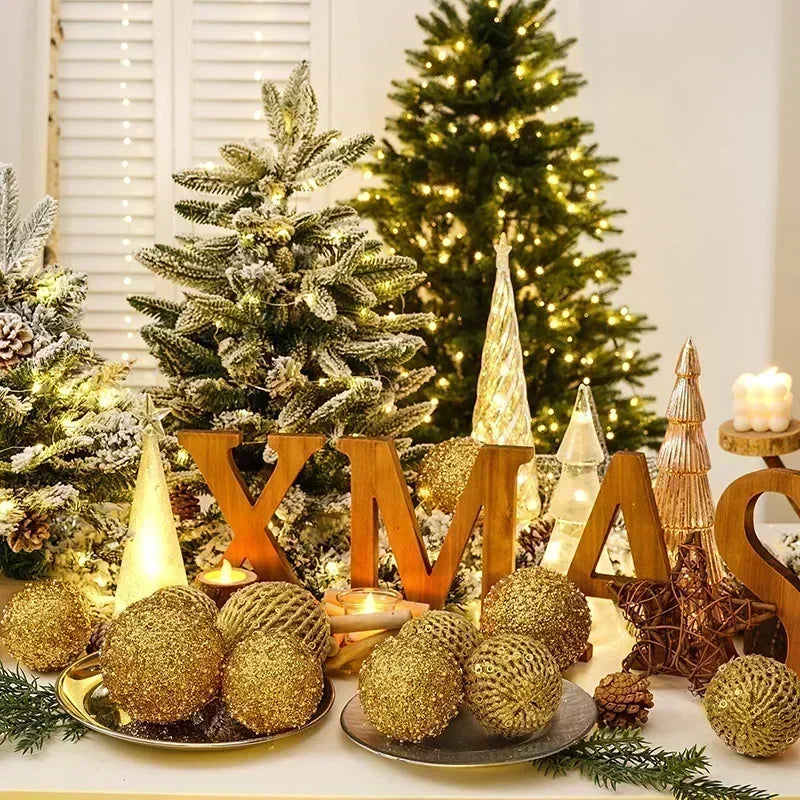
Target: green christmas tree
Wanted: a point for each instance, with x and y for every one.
(69, 444)
(287, 325)
(478, 148)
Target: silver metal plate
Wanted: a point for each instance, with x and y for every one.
(466, 743)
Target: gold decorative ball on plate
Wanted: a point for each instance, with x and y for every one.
(453, 631)
(512, 685)
(162, 660)
(46, 625)
(753, 705)
(410, 688)
(278, 607)
(272, 682)
(444, 473)
(543, 604)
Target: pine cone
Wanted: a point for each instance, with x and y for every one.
(98, 637)
(15, 340)
(284, 259)
(623, 700)
(29, 535)
(535, 536)
(185, 505)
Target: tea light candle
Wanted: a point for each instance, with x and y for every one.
(367, 601)
(221, 582)
(762, 402)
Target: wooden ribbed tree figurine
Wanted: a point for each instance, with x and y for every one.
(682, 490)
(502, 414)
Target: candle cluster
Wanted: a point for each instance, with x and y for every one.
(762, 402)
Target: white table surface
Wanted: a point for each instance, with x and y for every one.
(323, 763)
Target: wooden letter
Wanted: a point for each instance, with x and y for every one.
(212, 451)
(627, 487)
(377, 484)
(749, 560)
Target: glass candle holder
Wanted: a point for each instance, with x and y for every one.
(367, 601)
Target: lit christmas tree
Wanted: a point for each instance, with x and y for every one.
(478, 147)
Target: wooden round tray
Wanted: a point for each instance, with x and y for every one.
(752, 443)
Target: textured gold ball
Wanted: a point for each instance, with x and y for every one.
(543, 604)
(272, 682)
(46, 625)
(410, 688)
(278, 607)
(444, 473)
(753, 705)
(453, 631)
(193, 600)
(512, 685)
(162, 660)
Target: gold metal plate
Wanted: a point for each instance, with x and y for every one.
(81, 693)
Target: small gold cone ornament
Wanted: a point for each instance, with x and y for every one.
(502, 414)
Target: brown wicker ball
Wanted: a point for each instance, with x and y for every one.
(276, 606)
(410, 688)
(546, 605)
(753, 705)
(272, 682)
(454, 631)
(512, 685)
(46, 624)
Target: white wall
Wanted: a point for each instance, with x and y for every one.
(686, 94)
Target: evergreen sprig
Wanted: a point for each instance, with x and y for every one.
(30, 713)
(613, 757)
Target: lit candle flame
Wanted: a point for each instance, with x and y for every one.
(226, 572)
(369, 604)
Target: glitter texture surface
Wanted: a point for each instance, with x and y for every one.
(272, 682)
(513, 685)
(46, 625)
(753, 705)
(444, 473)
(410, 688)
(162, 659)
(543, 604)
(453, 631)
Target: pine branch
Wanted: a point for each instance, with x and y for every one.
(30, 713)
(617, 756)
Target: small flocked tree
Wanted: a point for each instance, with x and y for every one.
(480, 146)
(68, 443)
(283, 327)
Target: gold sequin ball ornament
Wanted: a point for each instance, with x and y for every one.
(444, 473)
(543, 604)
(453, 631)
(272, 682)
(161, 659)
(512, 685)
(46, 625)
(410, 688)
(279, 607)
(753, 705)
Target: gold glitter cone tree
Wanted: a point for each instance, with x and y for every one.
(502, 414)
(682, 490)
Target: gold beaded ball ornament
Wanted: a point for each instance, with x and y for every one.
(410, 688)
(272, 682)
(278, 607)
(543, 604)
(444, 473)
(753, 705)
(453, 631)
(46, 625)
(512, 685)
(161, 659)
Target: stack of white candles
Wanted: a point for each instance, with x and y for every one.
(762, 402)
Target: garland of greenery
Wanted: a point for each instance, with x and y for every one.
(30, 713)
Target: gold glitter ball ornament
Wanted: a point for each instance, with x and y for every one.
(453, 631)
(444, 473)
(192, 600)
(543, 604)
(162, 660)
(46, 625)
(410, 688)
(272, 682)
(512, 685)
(276, 606)
(753, 705)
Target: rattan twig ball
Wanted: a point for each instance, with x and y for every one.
(453, 631)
